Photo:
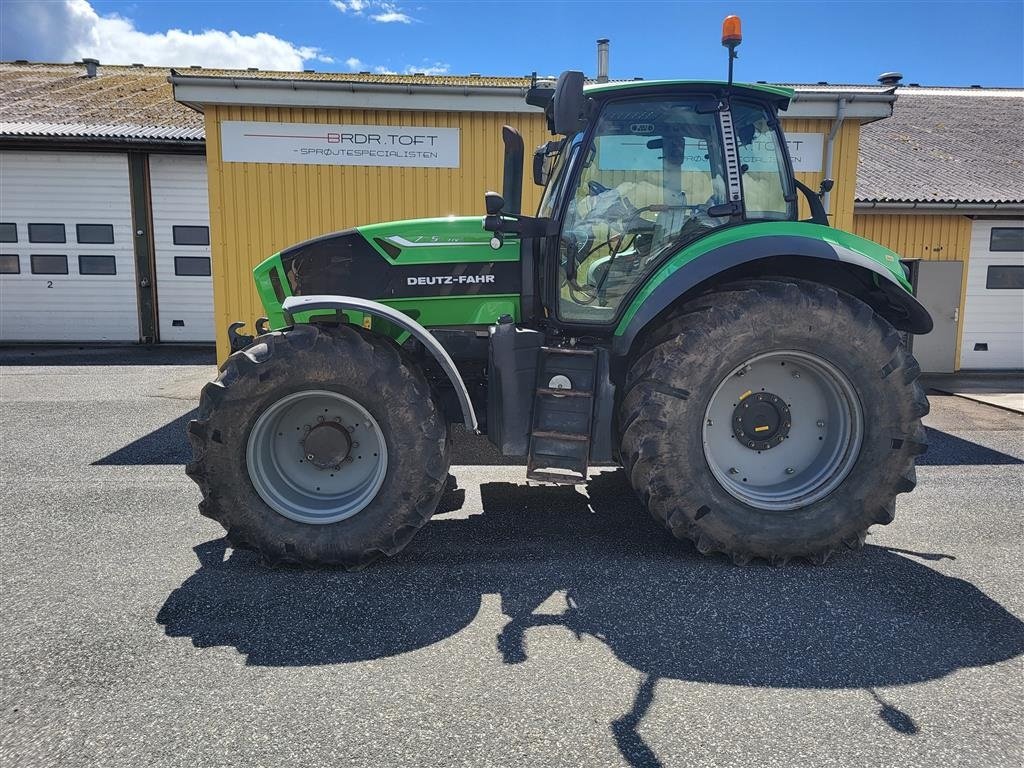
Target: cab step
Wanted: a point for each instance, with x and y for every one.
(563, 408)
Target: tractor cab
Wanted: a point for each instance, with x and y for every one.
(642, 170)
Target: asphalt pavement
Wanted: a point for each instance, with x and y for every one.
(524, 625)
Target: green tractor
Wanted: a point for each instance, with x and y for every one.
(664, 310)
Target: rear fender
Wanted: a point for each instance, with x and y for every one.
(794, 249)
(301, 304)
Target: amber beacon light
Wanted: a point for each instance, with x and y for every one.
(731, 32)
(731, 37)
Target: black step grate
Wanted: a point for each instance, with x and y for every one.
(563, 408)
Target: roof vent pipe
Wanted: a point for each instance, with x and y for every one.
(91, 65)
(890, 78)
(602, 60)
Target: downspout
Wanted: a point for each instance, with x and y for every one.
(830, 150)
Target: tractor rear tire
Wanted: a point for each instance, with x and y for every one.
(269, 499)
(712, 474)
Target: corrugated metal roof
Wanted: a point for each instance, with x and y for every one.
(945, 145)
(121, 102)
(85, 130)
(385, 78)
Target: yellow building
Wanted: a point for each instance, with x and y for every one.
(942, 183)
(261, 203)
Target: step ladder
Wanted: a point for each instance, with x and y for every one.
(563, 409)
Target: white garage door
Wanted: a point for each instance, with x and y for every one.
(67, 264)
(994, 310)
(181, 235)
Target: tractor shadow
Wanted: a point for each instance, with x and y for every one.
(874, 619)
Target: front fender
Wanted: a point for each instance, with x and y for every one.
(696, 266)
(295, 304)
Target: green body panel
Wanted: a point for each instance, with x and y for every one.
(872, 250)
(422, 241)
(439, 241)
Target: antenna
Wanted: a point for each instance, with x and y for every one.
(732, 36)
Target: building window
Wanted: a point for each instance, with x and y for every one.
(95, 233)
(187, 235)
(46, 233)
(8, 233)
(1004, 277)
(1006, 239)
(49, 265)
(192, 266)
(10, 264)
(97, 265)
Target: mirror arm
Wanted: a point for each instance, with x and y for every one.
(525, 226)
(818, 215)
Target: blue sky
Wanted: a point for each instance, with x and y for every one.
(948, 43)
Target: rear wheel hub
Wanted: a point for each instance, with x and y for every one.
(761, 421)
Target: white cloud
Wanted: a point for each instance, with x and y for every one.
(355, 64)
(437, 68)
(387, 13)
(72, 29)
(356, 6)
(390, 14)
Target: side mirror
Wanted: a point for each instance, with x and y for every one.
(568, 104)
(544, 159)
(539, 156)
(493, 203)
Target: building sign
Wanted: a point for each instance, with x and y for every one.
(806, 149)
(316, 144)
(632, 153)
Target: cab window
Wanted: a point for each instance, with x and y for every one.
(651, 175)
(766, 192)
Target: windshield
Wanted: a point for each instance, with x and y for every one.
(650, 177)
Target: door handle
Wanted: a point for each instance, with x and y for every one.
(956, 315)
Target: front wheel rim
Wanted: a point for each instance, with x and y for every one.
(783, 430)
(316, 457)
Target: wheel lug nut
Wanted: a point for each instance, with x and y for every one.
(307, 427)
(790, 471)
(733, 471)
(309, 457)
(320, 419)
(355, 445)
(796, 374)
(711, 423)
(820, 423)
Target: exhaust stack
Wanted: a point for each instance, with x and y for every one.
(602, 60)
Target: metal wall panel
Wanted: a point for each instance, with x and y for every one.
(930, 237)
(992, 317)
(179, 198)
(70, 188)
(921, 236)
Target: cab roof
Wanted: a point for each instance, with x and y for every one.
(778, 95)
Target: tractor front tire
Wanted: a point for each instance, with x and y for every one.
(320, 445)
(774, 419)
